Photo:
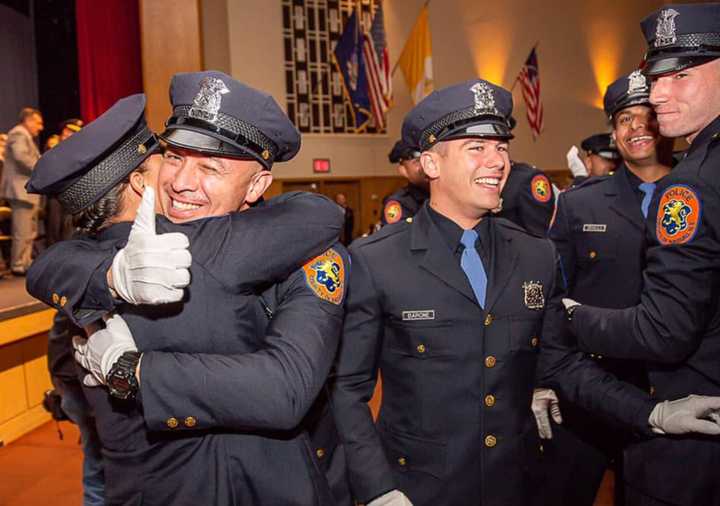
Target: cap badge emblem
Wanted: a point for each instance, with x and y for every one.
(206, 103)
(484, 99)
(665, 30)
(637, 83)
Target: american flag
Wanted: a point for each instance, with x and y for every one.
(377, 67)
(529, 78)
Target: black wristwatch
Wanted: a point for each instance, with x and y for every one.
(571, 310)
(121, 380)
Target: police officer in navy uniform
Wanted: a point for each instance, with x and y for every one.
(195, 368)
(675, 326)
(408, 200)
(528, 199)
(601, 156)
(449, 306)
(599, 232)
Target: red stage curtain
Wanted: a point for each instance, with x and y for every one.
(109, 58)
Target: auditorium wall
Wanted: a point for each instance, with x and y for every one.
(582, 47)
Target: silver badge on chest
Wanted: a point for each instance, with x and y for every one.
(637, 83)
(665, 30)
(484, 99)
(206, 103)
(533, 295)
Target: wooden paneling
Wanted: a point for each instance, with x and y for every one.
(13, 391)
(171, 43)
(365, 194)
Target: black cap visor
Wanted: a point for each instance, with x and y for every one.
(203, 142)
(630, 101)
(488, 127)
(666, 62)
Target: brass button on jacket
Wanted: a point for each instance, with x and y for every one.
(320, 452)
(190, 421)
(490, 361)
(489, 400)
(488, 319)
(421, 348)
(402, 461)
(490, 441)
(172, 422)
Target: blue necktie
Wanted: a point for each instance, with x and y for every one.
(473, 266)
(647, 189)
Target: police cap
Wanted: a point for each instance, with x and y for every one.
(73, 124)
(627, 91)
(475, 108)
(601, 145)
(83, 168)
(215, 114)
(681, 36)
(402, 151)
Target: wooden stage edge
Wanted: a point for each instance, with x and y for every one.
(24, 374)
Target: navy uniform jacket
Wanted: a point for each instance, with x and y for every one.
(455, 426)
(403, 204)
(528, 199)
(599, 233)
(676, 325)
(173, 447)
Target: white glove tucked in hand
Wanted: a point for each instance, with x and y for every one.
(544, 400)
(151, 268)
(102, 349)
(575, 164)
(392, 498)
(686, 415)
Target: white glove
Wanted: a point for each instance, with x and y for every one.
(568, 303)
(102, 349)
(544, 400)
(575, 164)
(151, 268)
(392, 498)
(689, 414)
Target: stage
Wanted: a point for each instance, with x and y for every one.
(14, 299)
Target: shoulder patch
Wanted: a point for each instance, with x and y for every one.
(325, 275)
(541, 188)
(678, 216)
(393, 211)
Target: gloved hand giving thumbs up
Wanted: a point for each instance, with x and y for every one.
(151, 268)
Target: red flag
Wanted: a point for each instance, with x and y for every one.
(529, 78)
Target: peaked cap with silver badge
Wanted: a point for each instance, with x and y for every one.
(215, 114)
(475, 108)
(629, 90)
(681, 36)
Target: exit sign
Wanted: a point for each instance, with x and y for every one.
(321, 165)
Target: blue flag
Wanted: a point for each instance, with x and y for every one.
(350, 62)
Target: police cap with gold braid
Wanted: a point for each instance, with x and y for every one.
(215, 114)
(84, 167)
(681, 36)
(475, 108)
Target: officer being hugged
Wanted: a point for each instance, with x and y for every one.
(449, 306)
(208, 400)
(675, 328)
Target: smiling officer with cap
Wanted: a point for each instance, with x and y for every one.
(674, 327)
(449, 306)
(207, 356)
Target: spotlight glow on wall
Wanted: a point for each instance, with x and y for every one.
(605, 50)
(490, 45)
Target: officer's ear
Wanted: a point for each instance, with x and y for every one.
(429, 161)
(137, 182)
(259, 183)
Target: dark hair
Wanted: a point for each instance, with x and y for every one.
(91, 220)
(26, 112)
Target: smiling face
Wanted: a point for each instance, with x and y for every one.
(466, 177)
(688, 100)
(193, 185)
(636, 134)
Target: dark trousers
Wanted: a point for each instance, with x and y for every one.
(636, 498)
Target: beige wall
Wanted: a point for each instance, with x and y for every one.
(583, 46)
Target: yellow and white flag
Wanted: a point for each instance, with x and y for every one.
(416, 59)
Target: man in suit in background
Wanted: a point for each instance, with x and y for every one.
(21, 154)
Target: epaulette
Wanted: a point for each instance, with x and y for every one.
(504, 222)
(591, 181)
(384, 232)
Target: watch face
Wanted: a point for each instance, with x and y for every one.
(121, 379)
